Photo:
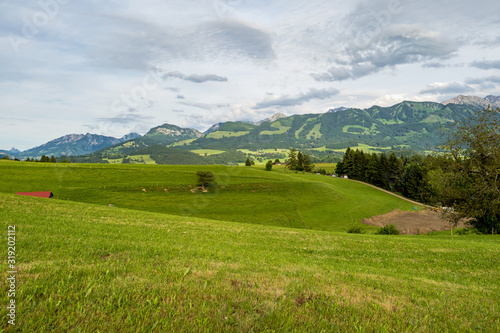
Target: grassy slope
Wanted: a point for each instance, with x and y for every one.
(90, 268)
(245, 194)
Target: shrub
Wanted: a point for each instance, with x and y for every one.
(356, 230)
(269, 165)
(389, 229)
(320, 171)
(468, 231)
(206, 179)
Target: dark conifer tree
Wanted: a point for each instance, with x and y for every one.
(308, 166)
(292, 159)
(300, 162)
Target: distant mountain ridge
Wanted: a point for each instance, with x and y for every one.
(274, 117)
(406, 125)
(71, 145)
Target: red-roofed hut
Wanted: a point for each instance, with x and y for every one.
(46, 194)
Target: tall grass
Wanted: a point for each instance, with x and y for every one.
(91, 268)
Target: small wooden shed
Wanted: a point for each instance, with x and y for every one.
(45, 194)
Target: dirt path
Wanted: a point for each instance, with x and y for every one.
(412, 223)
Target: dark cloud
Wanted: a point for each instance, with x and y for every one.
(396, 45)
(239, 39)
(286, 100)
(447, 88)
(134, 43)
(486, 64)
(489, 79)
(485, 83)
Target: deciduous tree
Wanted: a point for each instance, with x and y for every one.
(471, 183)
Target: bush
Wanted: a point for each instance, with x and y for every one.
(468, 231)
(320, 171)
(356, 230)
(389, 229)
(206, 179)
(269, 165)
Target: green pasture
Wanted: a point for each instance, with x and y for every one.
(315, 132)
(92, 268)
(182, 143)
(225, 134)
(365, 148)
(243, 194)
(280, 129)
(207, 152)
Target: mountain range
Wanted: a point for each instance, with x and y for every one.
(70, 145)
(408, 125)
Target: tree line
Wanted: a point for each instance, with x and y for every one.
(408, 176)
(43, 159)
(298, 161)
(464, 174)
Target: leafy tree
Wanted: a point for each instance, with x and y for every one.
(5, 157)
(277, 160)
(52, 159)
(269, 165)
(471, 182)
(206, 180)
(248, 162)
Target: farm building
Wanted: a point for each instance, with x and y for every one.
(45, 194)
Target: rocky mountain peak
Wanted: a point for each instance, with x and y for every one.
(494, 101)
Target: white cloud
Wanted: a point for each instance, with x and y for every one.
(221, 57)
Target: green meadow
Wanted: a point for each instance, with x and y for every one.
(89, 268)
(267, 252)
(244, 194)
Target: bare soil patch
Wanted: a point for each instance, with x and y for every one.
(412, 223)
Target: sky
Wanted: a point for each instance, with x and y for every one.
(112, 67)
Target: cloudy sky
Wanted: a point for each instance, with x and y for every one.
(115, 66)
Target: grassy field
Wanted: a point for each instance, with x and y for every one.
(281, 129)
(244, 194)
(225, 134)
(365, 148)
(206, 152)
(89, 268)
